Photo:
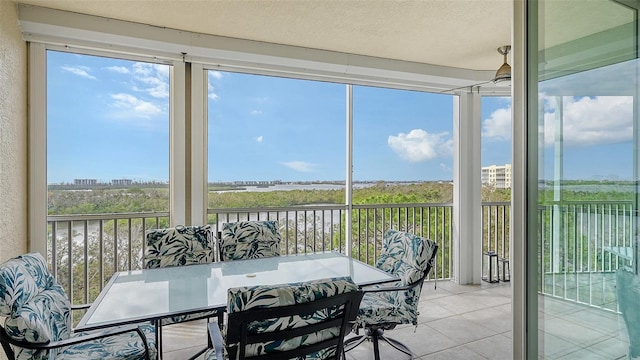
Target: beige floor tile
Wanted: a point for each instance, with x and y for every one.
(461, 330)
(495, 347)
(457, 353)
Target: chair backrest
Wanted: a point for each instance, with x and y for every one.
(410, 257)
(249, 240)
(291, 321)
(182, 245)
(36, 308)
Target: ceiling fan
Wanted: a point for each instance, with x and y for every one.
(502, 77)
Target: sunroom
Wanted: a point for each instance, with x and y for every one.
(210, 101)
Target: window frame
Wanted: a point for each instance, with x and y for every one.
(37, 136)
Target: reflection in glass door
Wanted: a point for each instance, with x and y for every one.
(588, 289)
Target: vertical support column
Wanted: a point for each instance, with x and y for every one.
(633, 217)
(177, 152)
(198, 145)
(467, 208)
(349, 171)
(524, 196)
(37, 209)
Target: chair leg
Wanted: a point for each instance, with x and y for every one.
(354, 342)
(196, 355)
(397, 345)
(376, 346)
(375, 335)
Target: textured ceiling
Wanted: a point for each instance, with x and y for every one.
(457, 33)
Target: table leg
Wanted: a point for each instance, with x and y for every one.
(158, 326)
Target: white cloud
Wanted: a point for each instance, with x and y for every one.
(211, 90)
(301, 166)
(152, 79)
(591, 120)
(256, 112)
(259, 138)
(418, 145)
(81, 71)
(118, 69)
(131, 106)
(498, 126)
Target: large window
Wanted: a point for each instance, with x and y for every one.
(402, 135)
(107, 133)
(274, 139)
(107, 160)
(278, 143)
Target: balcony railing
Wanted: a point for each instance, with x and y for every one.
(573, 251)
(88, 249)
(322, 228)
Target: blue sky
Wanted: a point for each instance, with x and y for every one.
(109, 119)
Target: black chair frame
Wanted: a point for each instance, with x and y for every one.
(6, 340)
(238, 325)
(375, 333)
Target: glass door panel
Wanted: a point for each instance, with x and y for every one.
(587, 165)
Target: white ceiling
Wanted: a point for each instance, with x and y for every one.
(456, 33)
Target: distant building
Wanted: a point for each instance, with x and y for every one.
(497, 176)
(85, 181)
(126, 182)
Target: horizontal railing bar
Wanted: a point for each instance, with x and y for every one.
(107, 216)
(401, 206)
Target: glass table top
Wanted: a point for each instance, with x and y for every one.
(149, 294)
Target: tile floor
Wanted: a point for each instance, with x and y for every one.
(469, 322)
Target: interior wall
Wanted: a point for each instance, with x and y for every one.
(13, 135)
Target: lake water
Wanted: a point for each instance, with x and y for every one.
(603, 188)
(289, 187)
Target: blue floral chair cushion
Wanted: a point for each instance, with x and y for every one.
(36, 310)
(182, 245)
(406, 256)
(250, 297)
(249, 240)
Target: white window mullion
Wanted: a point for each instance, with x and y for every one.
(38, 148)
(198, 145)
(177, 152)
(349, 170)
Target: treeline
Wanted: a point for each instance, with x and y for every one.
(101, 201)
(157, 199)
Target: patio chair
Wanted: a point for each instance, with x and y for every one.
(383, 307)
(249, 240)
(37, 323)
(289, 321)
(181, 246)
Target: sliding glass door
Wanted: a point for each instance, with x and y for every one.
(587, 165)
